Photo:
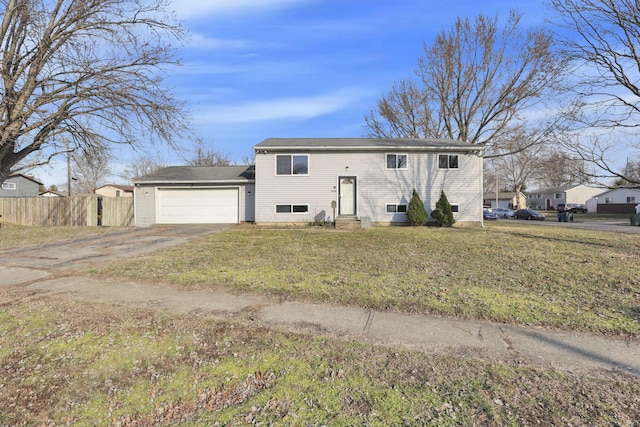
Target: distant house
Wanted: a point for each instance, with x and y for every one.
(20, 185)
(115, 190)
(549, 198)
(53, 193)
(621, 200)
(506, 200)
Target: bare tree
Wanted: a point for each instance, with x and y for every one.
(203, 154)
(141, 167)
(514, 172)
(84, 70)
(557, 168)
(602, 38)
(475, 84)
(90, 167)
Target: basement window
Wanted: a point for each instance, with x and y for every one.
(294, 209)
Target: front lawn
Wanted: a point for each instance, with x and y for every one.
(508, 272)
(90, 364)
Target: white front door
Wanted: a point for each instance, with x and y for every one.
(347, 193)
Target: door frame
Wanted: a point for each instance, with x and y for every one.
(355, 194)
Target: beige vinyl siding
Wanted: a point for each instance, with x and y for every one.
(247, 203)
(376, 185)
(582, 193)
(144, 205)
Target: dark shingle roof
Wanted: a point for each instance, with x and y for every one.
(201, 174)
(365, 144)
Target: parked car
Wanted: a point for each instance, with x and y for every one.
(528, 214)
(488, 214)
(571, 207)
(503, 212)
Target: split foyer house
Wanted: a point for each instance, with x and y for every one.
(302, 180)
(19, 185)
(549, 198)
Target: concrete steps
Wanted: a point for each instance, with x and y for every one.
(348, 223)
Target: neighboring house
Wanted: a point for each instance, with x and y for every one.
(621, 200)
(19, 185)
(505, 200)
(549, 198)
(195, 195)
(52, 193)
(300, 180)
(114, 190)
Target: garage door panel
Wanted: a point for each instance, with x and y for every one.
(197, 205)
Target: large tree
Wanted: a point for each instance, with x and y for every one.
(475, 83)
(87, 71)
(602, 39)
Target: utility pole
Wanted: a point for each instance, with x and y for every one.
(66, 144)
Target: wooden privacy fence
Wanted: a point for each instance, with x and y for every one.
(69, 211)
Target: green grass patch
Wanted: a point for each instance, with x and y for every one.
(507, 272)
(100, 365)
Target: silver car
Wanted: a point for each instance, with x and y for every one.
(503, 212)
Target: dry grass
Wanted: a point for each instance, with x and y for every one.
(66, 363)
(16, 236)
(509, 272)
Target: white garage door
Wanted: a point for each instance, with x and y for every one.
(197, 206)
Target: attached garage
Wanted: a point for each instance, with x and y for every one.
(198, 206)
(195, 195)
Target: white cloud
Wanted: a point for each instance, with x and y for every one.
(282, 108)
(187, 9)
(201, 41)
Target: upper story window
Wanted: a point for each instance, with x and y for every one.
(631, 199)
(8, 185)
(557, 196)
(287, 164)
(396, 161)
(447, 161)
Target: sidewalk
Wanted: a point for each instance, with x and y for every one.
(533, 346)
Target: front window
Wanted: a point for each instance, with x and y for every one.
(292, 164)
(448, 161)
(396, 161)
(396, 208)
(455, 208)
(296, 209)
(8, 185)
(631, 199)
(558, 196)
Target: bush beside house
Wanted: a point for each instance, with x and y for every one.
(442, 214)
(416, 214)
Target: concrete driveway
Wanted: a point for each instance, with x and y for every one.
(123, 243)
(54, 270)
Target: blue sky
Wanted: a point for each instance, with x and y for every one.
(255, 69)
